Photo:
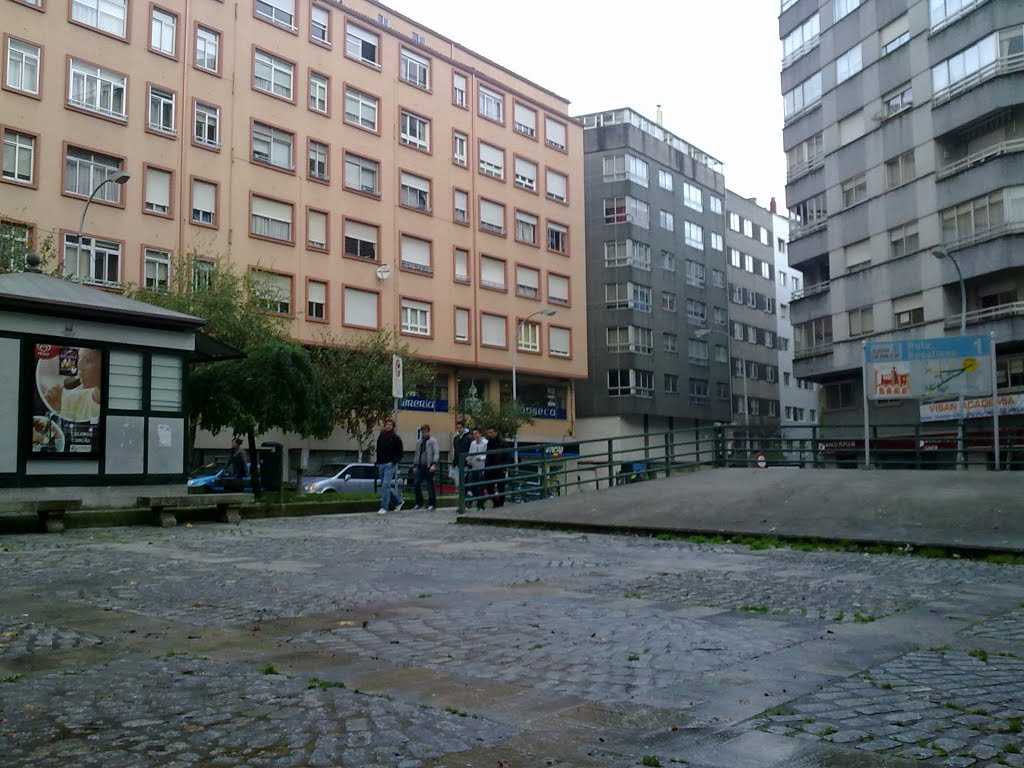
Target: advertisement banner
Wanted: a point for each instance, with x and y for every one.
(929, 368)
(544, 412)
(974, 408)
(66, 413)
(423, 404)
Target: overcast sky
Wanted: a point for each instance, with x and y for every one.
(713, 65)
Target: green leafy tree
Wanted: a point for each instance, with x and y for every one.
(14, 247)
(508, 416)
(358, 378)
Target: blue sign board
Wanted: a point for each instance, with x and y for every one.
(544, 412)
(423, 404)
(928, 349)
(929, 368)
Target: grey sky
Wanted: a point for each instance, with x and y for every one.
(713, 65)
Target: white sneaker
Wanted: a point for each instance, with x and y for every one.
(399, 507)
(382, 511)
(418, 506)
(431, 509)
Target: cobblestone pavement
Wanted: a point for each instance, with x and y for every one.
(409, 641)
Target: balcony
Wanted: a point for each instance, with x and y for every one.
(802, 230)
(1004, 65)
(981, 156)
(802, 169)
(810, 45)
(820, 349)
(987, 315)
(811, 290)
(984, 235)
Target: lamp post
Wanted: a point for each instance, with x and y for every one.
(515, 392)
(938, 254)
(704, 332)
(119, 178)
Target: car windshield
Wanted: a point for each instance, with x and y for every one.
(208, 469)
(328, 470)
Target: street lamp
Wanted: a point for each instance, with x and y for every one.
(703, 332)
(939, 254)
(515, 392)
(119, 178)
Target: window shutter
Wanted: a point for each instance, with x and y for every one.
(462, 324)
(857, 253)
(895, 29)
(526, 169)
(125, 387)
(360, 231)
(492, 214)
(362, 34)
(907, 303)
(360, 308)
(492, 272)
(317, 291)
(158, 187)
(528, 277)
(272, 209)
(492, 330)
(492, 155)
(415, 251)
(526, 117)
(203, 195)
(317, 228)
(558, 288)
(558, 341)
(556, 185)
(416, 182)
(554, 132)
(461, 263)
(165, 383)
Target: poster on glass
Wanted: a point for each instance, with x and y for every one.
(66, 401)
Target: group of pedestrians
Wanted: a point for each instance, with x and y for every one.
(479, 456)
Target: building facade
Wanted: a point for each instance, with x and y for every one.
(656, 284)
(374, 173)
(749, 240)
(903, 131)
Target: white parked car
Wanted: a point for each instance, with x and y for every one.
(341, 477)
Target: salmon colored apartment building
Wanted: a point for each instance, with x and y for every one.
(373, 172)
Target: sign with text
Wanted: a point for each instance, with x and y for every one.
(67, 401)
(544, 412)
(424, 404)
(974, 408)
(397, 389)
(929, 368)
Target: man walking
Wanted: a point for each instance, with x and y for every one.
(496, 458)
(424, 463)
(389, 453)
(476, 459)
(460, 447)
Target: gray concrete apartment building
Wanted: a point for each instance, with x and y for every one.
(656, 284)
(904, 131)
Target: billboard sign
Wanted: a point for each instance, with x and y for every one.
(66, 414)
(974, 408)
(929, 369)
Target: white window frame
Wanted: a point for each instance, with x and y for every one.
(273, 227)
(843, 8)
(319, 92)
(359, 236)
(460, 148)
(318, 160)
(490, 328)
(528, 336)
(364, 105)
(491, 104)
(201, 215)
(491, 160)
(23, 60)
(555, 133)
(157, 200)
(98, 90)
(22, 148)
(108, 16)
(524, 120)
(102, 260)
(365, 168)
(849, 63)
(488, 217)
(272, 66)
(162, 101)
(414, 192)
(156, 269)
(316, 300)
(416, 317)
(356, 41)
(555, 347)
(206, 120)
(523, 178)
(527, 225)
(693, 197)
(665, 179)
(460, 206)
(207, 49)
(558, 235)
(311, 214)
(460, 85)
(320, 24)
(559, 192)
(414, 69)
(278, 12)
(693, 235)
(79, 163)
(271, 142)
(277, 290)
(415, 131)
(163, 33)
(358, 304)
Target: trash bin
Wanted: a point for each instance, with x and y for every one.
(271, 466)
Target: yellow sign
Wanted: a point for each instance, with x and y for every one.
(970, 364)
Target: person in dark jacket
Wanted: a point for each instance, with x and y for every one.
(460, 449)
(495, 473)
(389, 453)
(238, 461)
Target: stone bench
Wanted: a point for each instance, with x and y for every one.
(50, 511)
(165, 507)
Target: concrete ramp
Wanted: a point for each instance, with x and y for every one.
(969, 510)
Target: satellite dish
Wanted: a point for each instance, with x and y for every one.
(383, 272)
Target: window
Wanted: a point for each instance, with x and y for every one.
(668, 261)
(459, 90)
(557, 185)
(627, 296)
(848, 64)
(908, 310)
(526, 174)
(671, 383)
(693, 197)
(766, 270)
(460, 148)
(415, 69)
(415, 254)
(626, 382)
(318, 90)
(903, 240)
(805, 156)
(715, 204)
(163, 28)
(461, 324)
(693, 235)
(897, 101)
(360, 240)
(695, 274)
(320, 25)
(558, 341)
(899, 170)
(735, 258)
(667, 221)
(156, 269)
(803, 97)
(203, 272)
(670, 342)
(161, 110)
(84, 171)
(206, 129)
(765, 237)
(983, 216)
(20, 157)
(492, 273)
(272, 146)
(896, 34)
(623, 167)
(362, 45)
(272, 75)
(721, 354)
(415, 131)
(280, 12)
(527, 282)
(316, 230)
(529, 337)
(360, 109)
(462, 265)
(207, 49)
(748, 228)
(492, 217)
(23, 66)
(844, 7)
(861, 321)
(414, 192)
(801, 40)
(558, 290)
(316, 300)
(665, 180)
(492, 330)
(839, 395)
(461, 207)
(813, 334)
(945, 11)
(492, 104)
(98, 260)
(492, 161)
(526, 228)
(554, 133)
(857, 255)
(361, 174)
(967, 63)
(415, 317)
(97, 90)
(204, 200)
(271, 219)
(696, 312)
(855, 190)
(360, 308)
(668, 301)
(627, 253)
(716, 242)
(734, 222)
(157, 191)
(524, 120)
(718, 278)
(273, 291)
(319, 161)
(698, 351)
(104, 15)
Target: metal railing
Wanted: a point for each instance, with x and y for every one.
(984, 235)
(1004, 65)
(794, 172)
(989, 314)
(818, 349)
(802, 230)
(811, 290)
(981, 156)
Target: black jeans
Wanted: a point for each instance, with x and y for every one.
(421, 474)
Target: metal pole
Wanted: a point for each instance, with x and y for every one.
(995, 399)
(960, 458)
(746, 413)
(867, 428)
(81, 222)
(515, 393)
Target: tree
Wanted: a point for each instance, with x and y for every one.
(14, 247)
(508, 416)
(358, 379)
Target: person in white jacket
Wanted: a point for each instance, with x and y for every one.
(475, 462)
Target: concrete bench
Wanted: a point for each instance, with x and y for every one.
(165, 507)
(50, 511)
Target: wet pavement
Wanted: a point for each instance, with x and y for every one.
(410, 641)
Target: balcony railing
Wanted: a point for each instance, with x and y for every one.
(982, 236)
(1004, 65)
(802, 169)
(989, 314)
(820, 349)
(811, 290)
(981, 156)
(807, 47)
(802, 230)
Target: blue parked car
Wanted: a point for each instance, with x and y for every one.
(210, 478)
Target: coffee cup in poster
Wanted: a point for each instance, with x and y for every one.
(68, 400)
